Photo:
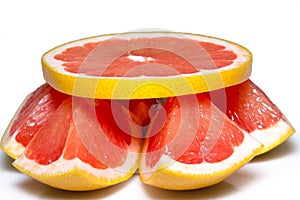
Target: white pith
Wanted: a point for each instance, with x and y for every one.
(248, 148)
(62, 166)
(273, 134)
(249, 145)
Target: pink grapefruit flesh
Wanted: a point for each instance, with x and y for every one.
(74, 57)
(251, 109)
(226, 139)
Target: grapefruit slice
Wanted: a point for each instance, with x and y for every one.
(30, 117)
(65, 152)
(196, 146)
(145, 65)
(250, 108)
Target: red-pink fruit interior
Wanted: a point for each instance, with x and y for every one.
(84, 129)
(142, 57)
(49, 142)
(213, 141)
(249, 107)
(35, 112)
(51, 129)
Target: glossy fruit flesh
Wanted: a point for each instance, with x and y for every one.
(34, 113)
(73, 131)
(134, 63)
(194, 131)
(250, 108)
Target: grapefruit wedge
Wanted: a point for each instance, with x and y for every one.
(65, 153)
(30, 117)
(251, 109)
(145, 65)
(196, 146)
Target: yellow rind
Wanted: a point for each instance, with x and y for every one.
(76, 179)
(126, 88)
(171, 180)
(146, 87)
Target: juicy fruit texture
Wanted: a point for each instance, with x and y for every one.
(61, 155)
(153, 65)
(31, 116)
(249, 107)
(202, 128)
(198, 145)
(75, 56)
(189, 141)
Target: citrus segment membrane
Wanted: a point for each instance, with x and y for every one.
(216, 147)
(248, 106)
(48, 144)
(171, 64)
(251, 109)
(30, 117)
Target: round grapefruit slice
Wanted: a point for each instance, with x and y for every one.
(81, 148)
(141, 65)
(196, 145)
(30, 117)
(251, 109)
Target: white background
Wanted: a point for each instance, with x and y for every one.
(270, 29)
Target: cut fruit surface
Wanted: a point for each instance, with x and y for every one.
(196, 147)
(145, 65)
(250, 108)
(30, 117)
(183, 149)
(61, 155)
